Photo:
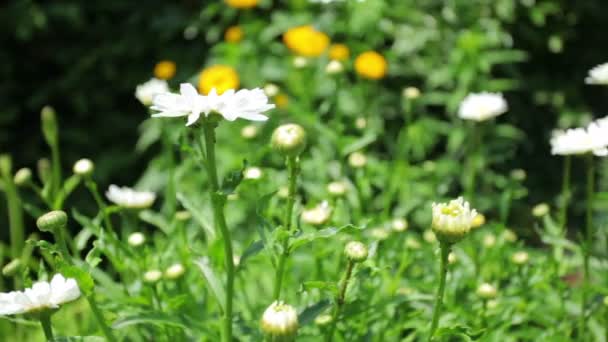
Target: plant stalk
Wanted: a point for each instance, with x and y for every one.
(443, 271)
(340, 300)
(587, 244)
(45, 321)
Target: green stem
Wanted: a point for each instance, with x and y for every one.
(339, 303)
(443, 271)
(56, 171)
(15, 216)
(45, 320)
(587, 244)
(563, 217)
(218, 201)
(292, 169)
(474, 153)
(99, 318)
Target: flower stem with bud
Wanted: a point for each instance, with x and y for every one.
(443, 271)
(339, 303)
(218, 201)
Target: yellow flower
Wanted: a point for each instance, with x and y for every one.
(241, 3)
(220, 77)
(233, 34)
(306, 41)
(371, 64)
(281, 100)
(164, 70)
(339, 52)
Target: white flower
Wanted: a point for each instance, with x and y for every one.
(593, 138)
(129, 198)
(145, 92)
(42, 295)
(280, 321)
(598, 75)
(482, 106)
(83, 167)
(317, 215)
(453, 220)
(245, 103)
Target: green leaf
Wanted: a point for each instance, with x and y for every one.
(92, 257)
(79, 339)
(233, 179)
(319, 234)
(44, 245)
(154, 318)
(332, 287)
(155, 219)
(198, 214)
(310, 313)
(254, 249)
(215, 284)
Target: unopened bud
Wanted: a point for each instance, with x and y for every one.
(361, 123)
(518, 174)
(336, 189)
(152, 276)
(249, 131)
(271, 89)
(83, 167)
(49, 125)
(6, 165)
(357, 160)
(486, 291)
(136, 239)
(289, 139)
(44, 170)
(452, 258)
(300, 62)
(280, 322)
(355, 251)
(175, 271)
(323, 320)
(252, 173)
(509, 235)
(183, 215)
(52, 221)
(520, 258)
(489, 240)
(411, 93)
(540, 210)
(23, 176)
(334, 67)
(399, 225)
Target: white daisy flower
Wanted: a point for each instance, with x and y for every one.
(129, 198)
(482, 106)
(145, 92)
(593, 138)
(42, 295)
(245, 103)
(453, 220)
(598, 75)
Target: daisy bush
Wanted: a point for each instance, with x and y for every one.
(328, 170)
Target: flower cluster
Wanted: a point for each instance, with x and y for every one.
(41, 296)
(231, 105)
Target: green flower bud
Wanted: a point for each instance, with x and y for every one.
(11, 268)
(323, 320)
(540, 210)
(289, 139)
(183, 215)
(486, 291)
(136, 239)
(52, 221)
(23, 176)
(355, 251)
(49, 125)
(6, 165)
(280, 322)
(152, 276)
(175, 271)
(520, 258)
(44, 170)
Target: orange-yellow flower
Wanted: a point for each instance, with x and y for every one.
(242, 3)
(306, 41)
(339, 52)
(220, 77)
(164, 70)
(281, 100)
(371, 64)
(233, 34)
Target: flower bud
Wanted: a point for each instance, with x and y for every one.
(379, 233)
(429, 236)
(336, 189)
(492, 304)
(361, 123)
(152, 276)
(300, 62)
(252, 173)
(452, 221)
(49, 125)
(11, 268)
(411, 93)
(317, 215)
(518, 175)
(540, 210)
(355, 251)
(23, 176)
(289, 139)
(334, 67)
(280, 322)
(489, 240)
(249, 131)
(520, 258)
(399, 225)
(83, 167)
(357, 160)
(271, 89)
(6, 165)
(452, 258)
(323, 320)
(136, 239)
(52, 221)
(283, 191)
(509, 235)
(486, 291)
(478, 221)
(44, 170)
(175, 271)
(413, 243)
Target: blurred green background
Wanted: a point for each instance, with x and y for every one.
(86, 57)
